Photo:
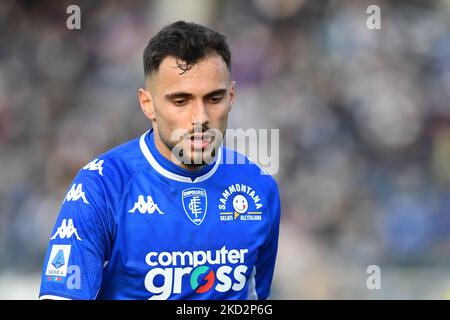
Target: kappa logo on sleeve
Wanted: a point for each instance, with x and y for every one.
(66, 230)
(76, 193)
(57, 263)
(95, 165)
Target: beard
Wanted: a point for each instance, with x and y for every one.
(182, 151)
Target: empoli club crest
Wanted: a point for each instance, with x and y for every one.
(195, 204)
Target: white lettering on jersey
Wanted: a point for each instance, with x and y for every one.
(196, 266)
(95, 165)
(243, 189)
(66, 230)
(143, 206)
(75, 193)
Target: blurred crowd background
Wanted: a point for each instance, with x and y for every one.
(364, 119)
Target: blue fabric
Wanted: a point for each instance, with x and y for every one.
(128, 230)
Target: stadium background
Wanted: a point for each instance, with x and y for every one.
(364, 119)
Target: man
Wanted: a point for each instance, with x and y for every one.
(165, 216)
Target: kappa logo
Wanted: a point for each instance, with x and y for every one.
(75, 193)
(143, 206)
(95, 165)
(195, 203)
(66, 230)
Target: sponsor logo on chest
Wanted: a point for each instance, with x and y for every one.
(245, 203)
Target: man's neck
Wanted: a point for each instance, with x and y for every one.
(167, 153)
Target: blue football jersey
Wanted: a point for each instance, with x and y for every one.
(134, 225)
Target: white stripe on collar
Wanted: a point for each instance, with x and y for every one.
(148, 155)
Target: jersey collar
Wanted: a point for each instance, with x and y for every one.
(168, 174)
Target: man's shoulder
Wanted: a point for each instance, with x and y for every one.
(121, 162)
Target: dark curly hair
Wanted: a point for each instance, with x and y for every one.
(189, 42)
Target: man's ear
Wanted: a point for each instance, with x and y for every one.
(232, 92)
(146, 102)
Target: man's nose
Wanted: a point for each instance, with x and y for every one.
(200, 114)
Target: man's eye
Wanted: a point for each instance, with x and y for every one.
(216, 99)
(179, 102)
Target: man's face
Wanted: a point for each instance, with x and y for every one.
(184, 105)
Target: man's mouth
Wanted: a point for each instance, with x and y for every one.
(200, 141)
